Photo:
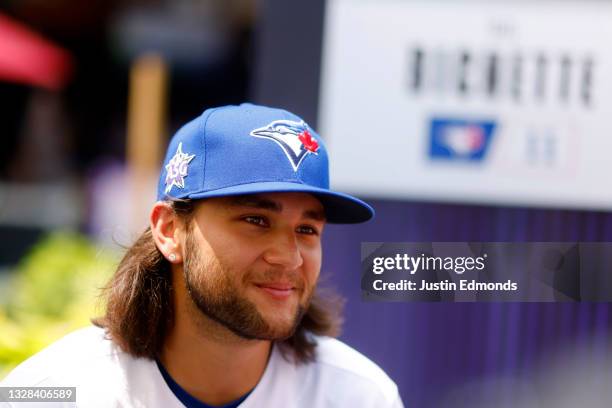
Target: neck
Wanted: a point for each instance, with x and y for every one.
(206, 359)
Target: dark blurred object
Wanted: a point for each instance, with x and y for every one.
(16, 241)
(288, 61)
(12, 105)
(63, 18)
(41, 151)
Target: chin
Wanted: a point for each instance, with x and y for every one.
(281, 333)
(282, 328)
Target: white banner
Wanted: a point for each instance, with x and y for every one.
(474, 101)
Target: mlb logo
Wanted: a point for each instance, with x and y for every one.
(460, 140)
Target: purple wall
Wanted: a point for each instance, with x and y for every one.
(428, 348)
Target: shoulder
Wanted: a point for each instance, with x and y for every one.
(336, 355)
(342, 376)
(343, 360)
(65, 360)
(102, 373)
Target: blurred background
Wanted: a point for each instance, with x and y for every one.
(458, 120)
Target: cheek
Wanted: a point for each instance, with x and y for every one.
(230, 251)
(240, 254)
(312, 264)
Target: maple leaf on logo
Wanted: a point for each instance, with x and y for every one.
(307, 140)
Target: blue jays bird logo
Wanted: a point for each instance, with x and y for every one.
(293, 137)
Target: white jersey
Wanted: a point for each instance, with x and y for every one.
(105, 376)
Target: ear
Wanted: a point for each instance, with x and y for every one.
(166, 230)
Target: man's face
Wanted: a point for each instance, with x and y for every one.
(252, 262)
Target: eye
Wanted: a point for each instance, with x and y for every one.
(307, 229)
(256, 220)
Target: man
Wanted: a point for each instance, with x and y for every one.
(215, 304)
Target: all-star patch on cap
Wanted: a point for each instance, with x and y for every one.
(250, 149)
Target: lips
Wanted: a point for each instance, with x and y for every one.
(276, 286)
(277, 290)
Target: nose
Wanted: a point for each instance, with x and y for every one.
(284, 251)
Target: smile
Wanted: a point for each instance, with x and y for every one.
(278, 291)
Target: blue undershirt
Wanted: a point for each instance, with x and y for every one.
(190, 401)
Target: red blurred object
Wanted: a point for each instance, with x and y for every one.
(26, 57)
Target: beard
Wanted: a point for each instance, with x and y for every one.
(218, 297)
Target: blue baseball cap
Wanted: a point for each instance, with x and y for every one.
(250, 149)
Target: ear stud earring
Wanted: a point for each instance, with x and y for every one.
(172, 257)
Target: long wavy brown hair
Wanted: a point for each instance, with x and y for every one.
(139, 308)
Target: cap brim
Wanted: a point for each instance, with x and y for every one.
(340, 208)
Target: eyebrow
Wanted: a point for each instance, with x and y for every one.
(271, 205)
